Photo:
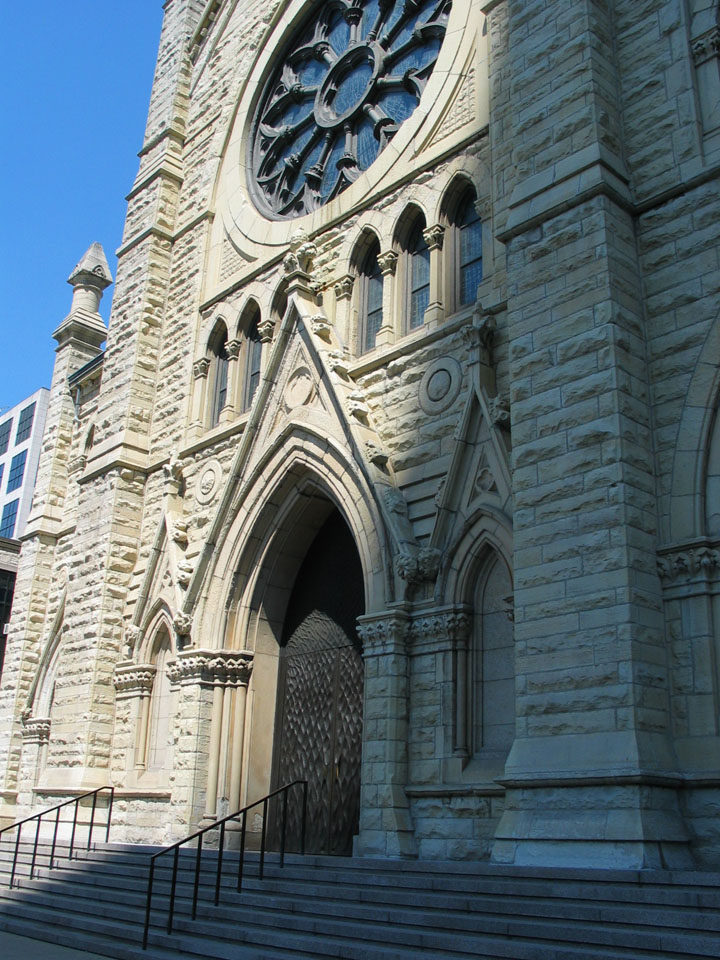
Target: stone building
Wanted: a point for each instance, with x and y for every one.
(400, 468)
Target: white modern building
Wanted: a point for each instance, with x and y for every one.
(21, 431)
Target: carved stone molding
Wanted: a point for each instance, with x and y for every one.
(201, 368)
(211, 667)
(388, 263)
(344, 287)
(434, 236)
(36, 729)
(454, 624)
(266, 330)
(384, 634)
(707, 46)
(689, 568)
(134, 679)
(232, 348)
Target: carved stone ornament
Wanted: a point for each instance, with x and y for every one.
(182, 623)
(344, 287)
(232, 348)
(132, 638)
(440, 385)
(208, 481)
(301, 254)
(693, 562)
(434, 236)
(480, 332)
(173, 472)
(500, 412)
(134, 679)
(201, 368)
(376, 454)
(321, 327)
(357, 407)
(388, 263)
(418, 568)
(179, 534)
(229, 668)
(707, 46)
(445, 625)
(36, 729)
(337, 362)
(266, 330)
(383, 634)
(300, 389)
(185, 570)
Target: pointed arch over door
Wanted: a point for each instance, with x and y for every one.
(320, 690)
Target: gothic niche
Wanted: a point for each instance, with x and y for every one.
(346, 82)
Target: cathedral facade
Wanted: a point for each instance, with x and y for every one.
(400, 469)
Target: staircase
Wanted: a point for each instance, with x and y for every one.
(317, 907)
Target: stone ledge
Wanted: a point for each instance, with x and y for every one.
(419, 790)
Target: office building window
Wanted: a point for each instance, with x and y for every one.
(5, 429)
(17, 471)
(25, 423)
(9, 516)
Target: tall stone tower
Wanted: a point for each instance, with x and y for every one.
(400, 469)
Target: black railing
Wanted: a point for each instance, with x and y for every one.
(220, 824)
(56, 810)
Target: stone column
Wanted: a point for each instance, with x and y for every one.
(388, 265)
(201, 368)
(434, 237)
(232, 402)
(385, 824)
(343, 301)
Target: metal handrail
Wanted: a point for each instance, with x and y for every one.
(56, 810)
(199, 834)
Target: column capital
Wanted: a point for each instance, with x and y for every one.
(201, 368)
(212, 667)
(434, 236)
(134, 679)
(384, 633)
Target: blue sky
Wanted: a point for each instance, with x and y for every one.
(75, 80)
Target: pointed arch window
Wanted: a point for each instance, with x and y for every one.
(160, 708)
(467, 243)
(371, 296)
(418, 276)
(253, 357)
(219, 355)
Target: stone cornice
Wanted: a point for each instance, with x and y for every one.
(440, 629)
(134, 679)
(212, 667)
(689, 568)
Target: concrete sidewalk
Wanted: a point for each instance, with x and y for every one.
(13, 947)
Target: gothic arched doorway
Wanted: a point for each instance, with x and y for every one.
(318, 732)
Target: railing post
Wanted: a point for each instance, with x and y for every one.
(72, 835)
(17, 846)
(197, 875)
(220, 860)
(173, 885)
(92, 819)
(262, 841)
(284, 823)
(242, 851)
(55, 833)
(147, 904)
(110, 807)
(304, 817)
(35, 846)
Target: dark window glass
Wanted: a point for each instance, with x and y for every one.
(5, 429)
(254, 354)
(2, 470)
(469, 251)
(372, 297)
(17, 471)
(419, 278)
(25, 423)
(7, 588)
(220, 380)
(9, 516)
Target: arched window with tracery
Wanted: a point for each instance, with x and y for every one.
(413, 269)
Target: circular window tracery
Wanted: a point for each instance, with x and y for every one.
(346, 82)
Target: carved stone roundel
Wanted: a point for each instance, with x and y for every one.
(350, 75)
(300, 389)
(440, 385)
(208, 481)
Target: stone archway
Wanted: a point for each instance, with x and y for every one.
(318, 729)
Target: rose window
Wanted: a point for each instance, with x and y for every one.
(347, 80)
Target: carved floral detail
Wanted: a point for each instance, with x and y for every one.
(388, 262)
(201, 368)
(344, 287)
(706, 46)
(232, 348)
(434, 236)
(182, 623)
(36, 729)
(702, 561)
(212, 667)
(266, 330)
(136, 678)
(453, 625)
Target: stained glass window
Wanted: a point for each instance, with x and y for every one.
(221, 375)
(349, 77)
(372, 296)
(419, 276)
(469, 228)
(254, 354)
